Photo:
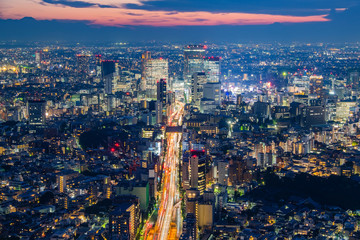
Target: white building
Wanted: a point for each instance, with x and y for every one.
(154, 70)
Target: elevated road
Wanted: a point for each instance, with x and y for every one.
(164, 226)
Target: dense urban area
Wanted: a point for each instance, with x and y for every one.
(179, 141)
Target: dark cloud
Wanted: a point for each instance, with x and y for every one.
(76, 4)
(349, 17)
(284, 7)
(172, 13)
(135, 14)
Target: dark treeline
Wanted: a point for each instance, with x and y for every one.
(332, 191)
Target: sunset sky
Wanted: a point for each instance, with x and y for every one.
(174, 13)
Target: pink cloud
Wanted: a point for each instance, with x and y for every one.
(16, 9)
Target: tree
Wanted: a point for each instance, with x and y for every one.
(93, 139)
(47, 198)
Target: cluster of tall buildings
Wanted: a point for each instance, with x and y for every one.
(261, 139)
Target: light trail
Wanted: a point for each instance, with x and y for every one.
(169, 181)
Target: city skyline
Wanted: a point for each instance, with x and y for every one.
(179, 119)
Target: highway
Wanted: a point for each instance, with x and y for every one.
(169, 194)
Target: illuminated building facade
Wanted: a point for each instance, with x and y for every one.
(155, 69)
(193, 60)
(83, 64)
(212, 69)
(197, 172)
(37, 112)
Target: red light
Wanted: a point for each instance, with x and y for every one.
(117, 145)
(127, 93)
(112, 149)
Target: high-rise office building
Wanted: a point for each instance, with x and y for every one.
(198, 81)
(355, 80)
(61, 180)
(38, 57)
(159, 112)
(98, 64)
(108, 73)
(154, 70)
(192, 198)
(313, 115)
(316, 84)
(197, 171)
(239, 100)
(212, 90)
(145, 56)
(36, 111)
(161, 91)
(161, 100)
(193, 60)
(107, 67)
(83, 64)
(211, 97)
(212, 69)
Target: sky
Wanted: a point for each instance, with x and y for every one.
(187, 20)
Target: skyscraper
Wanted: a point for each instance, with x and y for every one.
(198, 171)
(212, 69)
(313, 115)
(161, 100)
(355, 80)
(159, 112)
(38, 56)
(83, 64)
(193, 60)
(155, 69)
(212, 90)
(161, 91)
(36, 111)
(316, 84)
(198, 81)
(98, 65)
(61, 179)
(107, 72)
(144, 58)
